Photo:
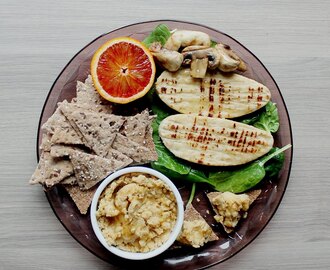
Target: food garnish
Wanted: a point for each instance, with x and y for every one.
(160, 34)
(123, 70)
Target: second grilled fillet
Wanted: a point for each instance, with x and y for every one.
(213, 141)
(217, 95)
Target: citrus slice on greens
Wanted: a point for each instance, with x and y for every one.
(123, 70)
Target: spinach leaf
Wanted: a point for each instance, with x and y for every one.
(269, 119)
(274, 166)
(252, 119)
(235, 180)
(160, 34)
(248, 176)
(167, 160)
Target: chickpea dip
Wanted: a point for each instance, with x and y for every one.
(136, 212)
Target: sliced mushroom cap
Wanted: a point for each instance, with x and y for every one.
(229, 60)
(194, 52)
(198, 68)
(170, 60)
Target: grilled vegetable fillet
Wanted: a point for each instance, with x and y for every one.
(213, 141)
(217, 95)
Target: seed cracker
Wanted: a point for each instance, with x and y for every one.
(61, 129)
(98, 129)
(50, 171)
(61, 150)
(46, 142)
(135, 151)
(82, 199)
(70, 180)
(192, 215)
(90, 169)
(86, 93)
(136, 127)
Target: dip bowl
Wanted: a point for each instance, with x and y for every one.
(174, 232)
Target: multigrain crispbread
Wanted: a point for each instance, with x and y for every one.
(230, 207)
(78, 149)
(82, 198)
(213, 141)
(61, 129)
(87, 94)
(51, 171)
(98, 129)
(140, 154)
(91, 169)
(137, 127)
(195, 231)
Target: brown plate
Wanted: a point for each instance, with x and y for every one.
(263, 209)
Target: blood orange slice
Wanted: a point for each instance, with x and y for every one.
(123, 70)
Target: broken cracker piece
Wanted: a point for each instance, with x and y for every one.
(81, 198)
(50, 171)
(86, 93)
(98, 129)
(64, 150)
(70, 180)
(195, 231)
(46, 142)
(90, 169)
(61, 129)
(135, 151)
(136, 127)
(230, 207)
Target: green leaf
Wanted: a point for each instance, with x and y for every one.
(213, 43)
(167, 160)
(251, 120)
(160, 34)
(266, 119)
(235, 179)
(274, 166)
(269, 119)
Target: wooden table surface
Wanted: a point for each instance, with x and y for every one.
(292, 39)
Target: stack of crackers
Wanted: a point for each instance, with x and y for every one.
(83, 142)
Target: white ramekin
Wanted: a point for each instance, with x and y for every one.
(135, 255)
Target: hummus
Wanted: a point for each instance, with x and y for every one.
(136, 212)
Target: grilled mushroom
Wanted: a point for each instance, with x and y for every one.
(184, 38)
(170, 60)
(200, 58)
(200, 52)
(229, 60)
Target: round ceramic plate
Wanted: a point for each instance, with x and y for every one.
(79, 226)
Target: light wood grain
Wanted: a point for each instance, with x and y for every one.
(291, 38)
